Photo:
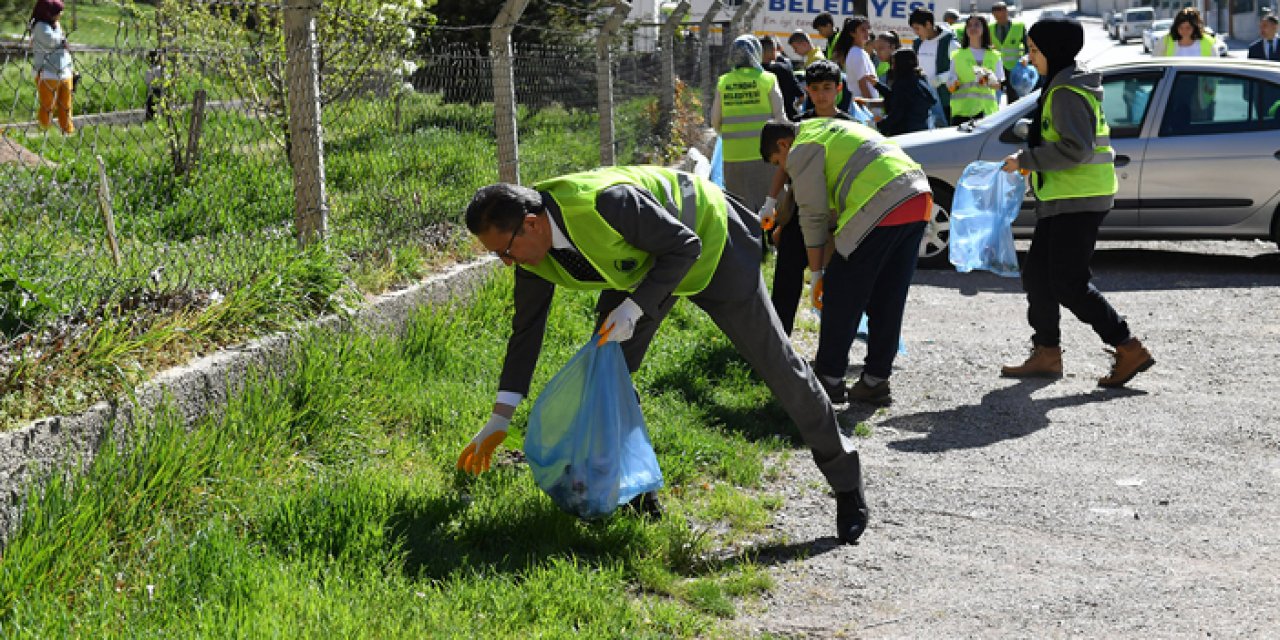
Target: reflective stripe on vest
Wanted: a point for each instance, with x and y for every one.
(696, 202)
(1095, 176)
(971, 98)
(1011, 47)
(862, 169)
(1206, 45)
(744, 108)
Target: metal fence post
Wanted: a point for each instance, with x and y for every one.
(755, 10)
(604, 79)
(504, 90)
(667, 98)
(708, 74)
(306, 140)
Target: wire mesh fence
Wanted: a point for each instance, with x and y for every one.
(173, 217)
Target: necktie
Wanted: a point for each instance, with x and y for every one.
(1271, 49)
(576, 265)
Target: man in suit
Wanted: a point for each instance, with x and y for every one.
(644, 236)
(1268, 46)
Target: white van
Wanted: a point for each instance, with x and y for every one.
(1133, 22)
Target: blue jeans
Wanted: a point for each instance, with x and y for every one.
(1056, 273)
(941, 107)
(874, 279)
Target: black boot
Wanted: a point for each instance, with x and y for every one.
(851, 510)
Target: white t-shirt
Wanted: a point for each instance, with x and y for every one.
(857, 64)
(928, 55)
(1190, 51)
(978, 54)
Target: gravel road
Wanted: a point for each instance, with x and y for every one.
(1054, 508)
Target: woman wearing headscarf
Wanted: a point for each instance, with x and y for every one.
(746, 98)
(52, 62)
(1072, 170)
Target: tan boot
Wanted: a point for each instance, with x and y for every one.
(1044, 362)
(1131, 359)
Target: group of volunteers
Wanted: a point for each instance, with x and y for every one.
(845, 203)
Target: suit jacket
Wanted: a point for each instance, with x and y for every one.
(1257, 52)
(645, 224)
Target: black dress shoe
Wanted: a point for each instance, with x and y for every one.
(852, 512)
(647, 506)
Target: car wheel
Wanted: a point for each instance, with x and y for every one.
(934, 252)
(1275, 227)
(1124, 40)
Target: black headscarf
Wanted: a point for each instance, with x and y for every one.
(1059, 40)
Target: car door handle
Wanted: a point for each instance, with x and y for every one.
(1123, 161)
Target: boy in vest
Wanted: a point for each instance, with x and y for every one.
(1072, 169)
(644, 237)
(857, 188)
(825, 25)
(1010, 39)
(804, 48)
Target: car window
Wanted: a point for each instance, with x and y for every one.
(1203, 104)
(1139, 16)
(1126, 99)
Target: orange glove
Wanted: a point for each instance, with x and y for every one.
(767, 213)
(479, 452)
(815, 289)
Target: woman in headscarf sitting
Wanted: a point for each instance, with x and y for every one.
(746, 98)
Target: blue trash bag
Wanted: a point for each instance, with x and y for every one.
(986, 202)
(586, 441)
(862, 114)
(1024, 78)
(717, 163)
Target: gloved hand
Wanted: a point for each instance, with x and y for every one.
(620, 324)
(767, 213)
(815, 289)
(475, 458)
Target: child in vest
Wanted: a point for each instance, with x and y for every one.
(933, 46)
(907, 100)
(823, 84)
(1072, 168)
(976, 75)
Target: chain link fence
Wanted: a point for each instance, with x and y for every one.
(232, 161)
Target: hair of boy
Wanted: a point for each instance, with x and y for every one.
(774, 132)
(798, 36)
(890, 37)
(922, 17)
(986, 33)
(822, 71)
(1271, 17)
(823, 19)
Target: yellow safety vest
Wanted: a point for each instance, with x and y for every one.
(694, 201)
(1095, 176)
(971, 98)
(1011, 47)
(862, 168)
(744, 109)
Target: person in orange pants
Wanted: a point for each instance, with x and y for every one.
(52, 60)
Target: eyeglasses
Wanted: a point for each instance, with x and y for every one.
(506, 253)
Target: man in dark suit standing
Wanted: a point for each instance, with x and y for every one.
(644, 236)
(1268, 46)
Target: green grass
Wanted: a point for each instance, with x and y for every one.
(397, 188)
(325, 503)
(98, 23)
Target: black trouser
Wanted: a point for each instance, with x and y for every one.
(788, 273)
(1057, 274)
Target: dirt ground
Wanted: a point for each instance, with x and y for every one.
(1054, 508)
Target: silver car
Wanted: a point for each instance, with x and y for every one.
(1188, 166)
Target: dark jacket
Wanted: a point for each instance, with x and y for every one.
(907, 104)
(787, 83)
(1257, 52)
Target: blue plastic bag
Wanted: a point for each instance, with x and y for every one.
(862, 114)
(586, 442)
(986, 202)
(1023, 78)
(717, 163)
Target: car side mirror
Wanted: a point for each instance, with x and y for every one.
(1018, 132)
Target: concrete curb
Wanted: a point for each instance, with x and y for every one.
(199, 388)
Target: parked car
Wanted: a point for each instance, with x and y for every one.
(1052, 14)
(1151, 35)
(1187, 167)
(1132, 22)
(1220, 47)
